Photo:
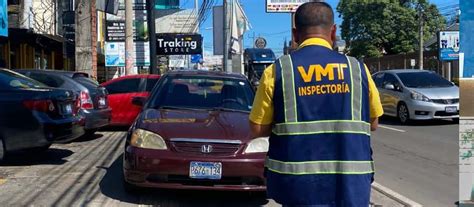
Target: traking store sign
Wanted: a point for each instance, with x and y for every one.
(178, 44)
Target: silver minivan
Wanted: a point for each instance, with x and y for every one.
(417, 95)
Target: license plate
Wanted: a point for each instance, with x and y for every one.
(205, 170)
(67, 109)
(451, 109)
(102, 101)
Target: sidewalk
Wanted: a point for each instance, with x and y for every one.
(382, 196)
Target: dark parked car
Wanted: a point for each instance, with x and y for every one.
(122, 90)
(93, 98)
(33, 115)
(193, 133)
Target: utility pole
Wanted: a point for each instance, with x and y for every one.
(152, 35)
(86, 37)
(129, 50)
(421, 25)
(226, 42)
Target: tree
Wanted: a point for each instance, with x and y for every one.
(374, 28)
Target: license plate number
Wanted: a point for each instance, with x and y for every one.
(102, 101)
(67, 109)
(451, 109)
(205, 170)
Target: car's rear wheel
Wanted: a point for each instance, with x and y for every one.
(403, 114)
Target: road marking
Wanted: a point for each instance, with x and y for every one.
(394, 195)
(390, 128)
(2, 181)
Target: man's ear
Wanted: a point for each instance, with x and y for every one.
(333, 33)
(295, 36)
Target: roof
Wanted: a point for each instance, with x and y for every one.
(219, 74)
(62, 72)
(151, 76)
(406, 71)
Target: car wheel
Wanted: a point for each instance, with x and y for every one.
(2, 150)
(403, 114)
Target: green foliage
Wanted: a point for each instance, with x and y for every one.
(372, 28)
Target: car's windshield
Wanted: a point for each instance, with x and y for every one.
(423, 80)
(201, 92)
(16, 80)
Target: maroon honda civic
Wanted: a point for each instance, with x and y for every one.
(193, 133)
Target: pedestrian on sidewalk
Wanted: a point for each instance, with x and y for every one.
(319, 108)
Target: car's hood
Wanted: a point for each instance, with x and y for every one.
(439, 93)
(196, 124)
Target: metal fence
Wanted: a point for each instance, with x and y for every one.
(449, 70)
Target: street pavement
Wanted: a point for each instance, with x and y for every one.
(417, 163)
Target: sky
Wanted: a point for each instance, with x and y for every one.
(274, 27)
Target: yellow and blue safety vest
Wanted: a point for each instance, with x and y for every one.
(319, 151)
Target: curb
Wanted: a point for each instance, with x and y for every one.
(394, 195)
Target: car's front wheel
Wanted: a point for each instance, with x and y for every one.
(403, 113)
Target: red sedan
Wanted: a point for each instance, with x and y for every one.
(196, 139)
(122, 90)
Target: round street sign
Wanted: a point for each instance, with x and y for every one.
(260, 43)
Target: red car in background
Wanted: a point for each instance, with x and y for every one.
(122, 90)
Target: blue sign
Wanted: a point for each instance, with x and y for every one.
(466, 30)
(196, 58)
(3, 18)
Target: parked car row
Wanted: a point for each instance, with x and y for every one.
(34, 115)
(42, 107)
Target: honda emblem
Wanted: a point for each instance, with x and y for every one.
(206, 149)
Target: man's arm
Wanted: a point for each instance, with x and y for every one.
(259, 130)
(374, 124)
(376, 109)
(261, 116)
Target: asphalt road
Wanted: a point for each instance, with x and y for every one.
(419, 161)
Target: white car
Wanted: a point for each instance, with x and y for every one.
(417, 95)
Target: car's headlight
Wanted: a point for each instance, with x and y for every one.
(148, 140)
(258, 145)
(419, 97)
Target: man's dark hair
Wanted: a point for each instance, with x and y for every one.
(314, 15)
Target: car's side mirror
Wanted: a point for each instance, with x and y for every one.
(389, 86)
(139, 101)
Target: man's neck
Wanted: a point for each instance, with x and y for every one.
(309, 36)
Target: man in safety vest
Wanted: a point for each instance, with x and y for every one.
(318, 107)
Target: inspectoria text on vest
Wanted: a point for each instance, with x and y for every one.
(318, 72)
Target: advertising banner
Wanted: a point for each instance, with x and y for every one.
(284, 6)
(115, 54)
(178, 44)
(176, 21)
(116, 31)
(449, 45)
(3, 18)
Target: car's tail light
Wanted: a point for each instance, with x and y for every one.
(86, 101)
(46, 106)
